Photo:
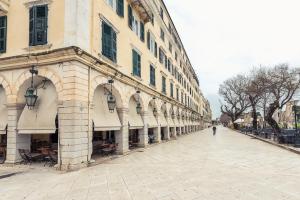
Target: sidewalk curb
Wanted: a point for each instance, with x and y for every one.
(274, 144)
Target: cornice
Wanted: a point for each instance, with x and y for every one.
(72, 53)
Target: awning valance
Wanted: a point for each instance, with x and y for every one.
(176, 122)
(3, 111)
(40, 120)
(135, 120)
(103, 119)
(170, 122)
(162, 121)
(152, 121)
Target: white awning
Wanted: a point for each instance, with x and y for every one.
(40, 120)
(103, 119)
(135, 120)
(170, 122)
(176, 122)
(152, 121)
(162, 121)
(3, 111)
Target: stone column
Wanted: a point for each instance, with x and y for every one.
(143, 133)
(157, 134)
(122, 136)
(15, 141)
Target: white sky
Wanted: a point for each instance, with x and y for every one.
(225, 37)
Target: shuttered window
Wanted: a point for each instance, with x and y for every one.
(38, 25)
(130, 17)
(142, 31)
(3, 33)
(152, 76)
(136, 62)
(163, 84)
(120, 8)
(109, 42)
(171, 90)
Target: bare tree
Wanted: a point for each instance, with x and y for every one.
(281, 83)
(234, 97)
(255, 89)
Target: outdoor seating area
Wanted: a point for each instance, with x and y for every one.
(287, 136)
(104, 143)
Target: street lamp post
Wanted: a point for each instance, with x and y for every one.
(295, 109)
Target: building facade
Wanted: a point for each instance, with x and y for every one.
(93, 69)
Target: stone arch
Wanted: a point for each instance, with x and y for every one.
(6, 86)
(46, 73)
(103, 81)
(138, 98)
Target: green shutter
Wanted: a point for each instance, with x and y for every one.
(134, 63)
(148, 40)
(38, 25)
(114, 46)
(3, 33)
(155, 52)
(142, 31)
(120, 8)
(130, 16)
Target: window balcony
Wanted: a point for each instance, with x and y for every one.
(142, 8)
(4, 4)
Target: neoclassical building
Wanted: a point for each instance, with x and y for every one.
(76, 72)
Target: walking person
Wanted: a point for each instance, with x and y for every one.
(214, 130)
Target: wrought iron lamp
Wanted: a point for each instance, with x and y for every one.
(138, 105)
(111, 99)
(31, 93)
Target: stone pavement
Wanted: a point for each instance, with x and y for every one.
(199, 166)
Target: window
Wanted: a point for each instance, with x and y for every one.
(162, 34)
(163, 84)
(3, 32)
(176, 56)
(161, 56)
(117, 5)
(171, 90)
(177, 94)
(109, 42)
(161, 13)
(169, 65)
(38, 25)
(135, 24)
(152, 76)
(170, 47)
(182, 97)
(136, 62)
(151, 44)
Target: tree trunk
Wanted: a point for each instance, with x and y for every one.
(273, 107)
(254, 115)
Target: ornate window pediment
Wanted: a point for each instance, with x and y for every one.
(142, 8)
(4, 4)
(30, 3)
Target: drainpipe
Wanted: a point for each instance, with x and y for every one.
(89, 113)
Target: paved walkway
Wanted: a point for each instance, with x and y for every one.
(199, 166)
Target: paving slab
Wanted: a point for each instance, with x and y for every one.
(198, 166)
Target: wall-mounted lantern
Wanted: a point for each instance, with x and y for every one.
(138, 105)
(173, 115)
(155, 112)
(111, 99)
(31, 93)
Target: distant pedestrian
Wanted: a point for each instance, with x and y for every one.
(214, 130)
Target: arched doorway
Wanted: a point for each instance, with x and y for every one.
(106, 123)
(135, 122)
(164, 123)
(171, 123)
(153, 134)
(38, 127)
(3, 124)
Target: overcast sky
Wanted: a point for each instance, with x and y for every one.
(226, 37)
